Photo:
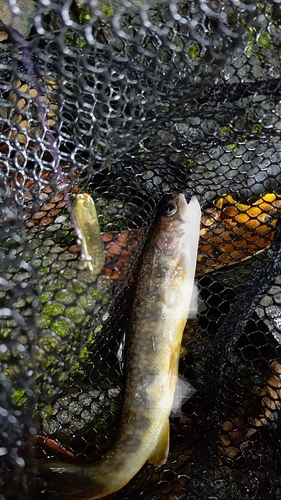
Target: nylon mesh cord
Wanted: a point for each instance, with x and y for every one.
(130, 101)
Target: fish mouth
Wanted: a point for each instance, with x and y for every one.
(187, 211)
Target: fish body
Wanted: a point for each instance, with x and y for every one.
(160, 309)
(92, 246)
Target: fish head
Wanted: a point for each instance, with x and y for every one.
(177, 228)
(175, 239)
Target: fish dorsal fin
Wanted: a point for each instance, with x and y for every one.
(160, 453)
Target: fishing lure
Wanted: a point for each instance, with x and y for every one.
(88, 230)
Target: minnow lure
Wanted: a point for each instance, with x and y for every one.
(92, 246)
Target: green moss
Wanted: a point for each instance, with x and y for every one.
(78, 288)
(84, 354)
(65, 297)
(48, 343)
(75, 314)
(256, 39)
(53, 309)
(75, 368)
(232, 146)
(45, 297)
(11, 372)
(46, 412)
(194, 50)
(85, 301)
(64, 375)
(107, 11)
(62, 327)
(98, 329)
(249, 51)
(56, 284)
(99, 296)
(44, 270)
(264, 40)
(50, 364)
(67, 274)
(19, 397)
(190, 162)
(250, 35)
(43, 321)
(84, 13)
(84, 17)
(65, 237)
(80, 42)
(103, 219)
(5, 333)
(257, 128)
(225, 131)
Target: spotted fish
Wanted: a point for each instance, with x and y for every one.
(160, 309)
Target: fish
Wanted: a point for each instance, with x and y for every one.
(86, 219)
(160, 309)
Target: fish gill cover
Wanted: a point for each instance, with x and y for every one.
(129, 101)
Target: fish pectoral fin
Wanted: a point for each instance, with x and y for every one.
(160, 453)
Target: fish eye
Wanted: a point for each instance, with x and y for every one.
(170, 209)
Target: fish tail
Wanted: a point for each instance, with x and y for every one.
(87, 482)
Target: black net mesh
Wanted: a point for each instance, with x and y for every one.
(129, 101)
